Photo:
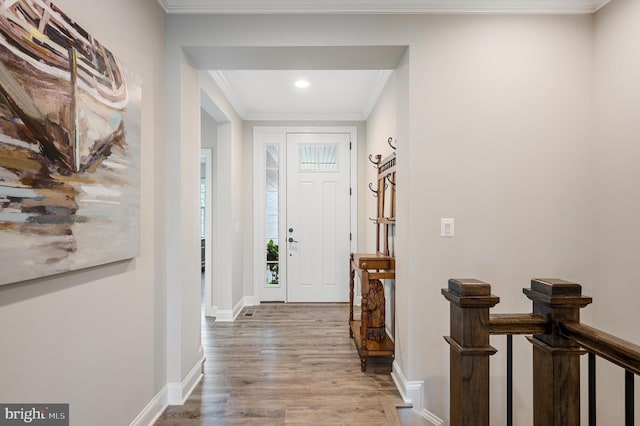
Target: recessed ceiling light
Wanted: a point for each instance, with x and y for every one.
(302, 84)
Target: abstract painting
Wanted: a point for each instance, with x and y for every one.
(69, 146)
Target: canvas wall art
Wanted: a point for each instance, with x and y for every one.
(69, 146)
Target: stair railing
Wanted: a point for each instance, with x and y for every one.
(558, 339)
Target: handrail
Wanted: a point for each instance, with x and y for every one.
(517, 324)
(558, 340)
(618, 351)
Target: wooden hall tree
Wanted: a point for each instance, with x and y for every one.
(369, 333)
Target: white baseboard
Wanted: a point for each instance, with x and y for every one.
(177, 393)
(153, 410)
(238, 308)
(411, 392)
(210, 310)
(430, 417)
(224, 315)
(227, 315)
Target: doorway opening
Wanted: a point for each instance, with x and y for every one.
(214, 136)
(206, 240)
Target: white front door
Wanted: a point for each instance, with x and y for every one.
(318, 217)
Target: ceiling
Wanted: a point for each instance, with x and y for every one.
(261, 91)
(332, 95)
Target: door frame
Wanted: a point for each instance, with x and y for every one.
(263, 135)
(206, 154)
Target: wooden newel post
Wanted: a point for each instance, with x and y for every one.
(470, 301)
(556, 360)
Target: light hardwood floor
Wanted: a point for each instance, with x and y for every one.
(287, 364)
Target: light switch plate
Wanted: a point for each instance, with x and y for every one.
(447, 227)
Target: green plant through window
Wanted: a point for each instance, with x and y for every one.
(273, 264)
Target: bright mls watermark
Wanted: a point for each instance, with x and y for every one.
(34, 414)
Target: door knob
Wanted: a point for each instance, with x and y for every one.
(291, 240)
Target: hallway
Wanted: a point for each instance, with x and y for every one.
(287, 364)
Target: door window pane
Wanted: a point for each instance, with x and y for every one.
(272, 219)
(318, 158)
(273, 263)
(272, 180)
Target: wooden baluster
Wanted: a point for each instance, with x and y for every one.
(470, 301)
(556, 360)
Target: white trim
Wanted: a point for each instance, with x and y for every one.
(238, 308)
(250, 301)
(411, 392)
(601, 4)
(228, 92)
(231, 315)
(382, 6)
(293, 116)
(153, 410)
(177, 393)
(379, 86)
(174, 393)
(207, 154)
(224, 315)
(430, 417)
(263, 136)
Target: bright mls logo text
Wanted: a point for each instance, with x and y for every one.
(39, 414)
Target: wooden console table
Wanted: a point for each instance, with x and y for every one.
(369, 267)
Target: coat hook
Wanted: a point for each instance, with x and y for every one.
(375, 191)
(375, 162)
(389, 142)
(390, 181)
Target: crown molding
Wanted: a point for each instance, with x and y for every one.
(379, 86)
(381, 6)
(164, 5)
(228, 92)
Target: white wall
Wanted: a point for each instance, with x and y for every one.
(496, 135)
(96, 338)
(502, 146)
(381, 124)
(616, 155)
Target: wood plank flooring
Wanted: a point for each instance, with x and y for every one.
(286, 364)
